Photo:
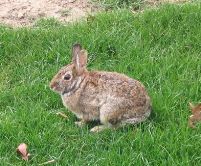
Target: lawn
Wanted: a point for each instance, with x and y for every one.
(160, 47)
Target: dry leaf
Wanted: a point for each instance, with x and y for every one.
(62, 115)
(196, 115)
(48, 162)
(22, 150)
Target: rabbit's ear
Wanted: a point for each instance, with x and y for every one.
(75, 51)
(79, 59)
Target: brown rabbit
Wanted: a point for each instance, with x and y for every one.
(196, 114)
(110, 97)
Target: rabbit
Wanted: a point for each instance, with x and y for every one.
(112, 98)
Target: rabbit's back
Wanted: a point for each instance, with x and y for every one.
(116, 85)
(114, 88)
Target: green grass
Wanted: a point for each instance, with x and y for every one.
(161, 48)
(115, 4)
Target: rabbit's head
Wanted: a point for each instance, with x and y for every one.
(70, 76)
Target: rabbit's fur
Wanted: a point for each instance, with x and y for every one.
(110, 97)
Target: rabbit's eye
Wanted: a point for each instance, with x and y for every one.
(67, 77)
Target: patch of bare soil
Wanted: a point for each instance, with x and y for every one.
(25, 12)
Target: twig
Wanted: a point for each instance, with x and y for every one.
(62, 115)
(47, 162)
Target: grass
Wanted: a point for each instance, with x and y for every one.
(116, 4)
(161, 48)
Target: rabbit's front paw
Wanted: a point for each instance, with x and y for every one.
(97, 129)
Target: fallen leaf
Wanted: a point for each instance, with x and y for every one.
(196, 115)
(22, 150)
(62, 115)
(48, 162)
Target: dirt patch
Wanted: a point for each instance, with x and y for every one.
(25, 12)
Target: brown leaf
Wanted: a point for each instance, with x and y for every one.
(22, 150)
(62, 115)
(196, 115)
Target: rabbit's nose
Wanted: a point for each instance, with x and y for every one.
(53, 85)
